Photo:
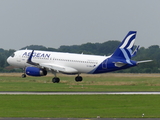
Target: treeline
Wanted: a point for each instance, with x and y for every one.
(106, 48)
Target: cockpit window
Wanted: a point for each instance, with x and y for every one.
(13, 55)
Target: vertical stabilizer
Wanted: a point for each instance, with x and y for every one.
(125, 49)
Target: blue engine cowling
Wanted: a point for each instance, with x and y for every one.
(34, 71)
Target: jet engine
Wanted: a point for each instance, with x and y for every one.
(35, 71)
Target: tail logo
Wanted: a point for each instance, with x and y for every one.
(125, 50)
(127, 46)
(126, 42)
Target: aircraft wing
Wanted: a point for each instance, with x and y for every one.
(58, 68)
(54, 67)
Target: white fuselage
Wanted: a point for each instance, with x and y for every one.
(81, 62)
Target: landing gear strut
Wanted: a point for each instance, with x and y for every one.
(24, 74)
(55, 79)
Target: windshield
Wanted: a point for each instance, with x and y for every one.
(13, 55)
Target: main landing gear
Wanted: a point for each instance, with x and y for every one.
(78, 78)
(57, 79)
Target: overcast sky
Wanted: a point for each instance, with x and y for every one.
(53, 23)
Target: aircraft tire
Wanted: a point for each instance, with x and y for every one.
(55, 80)
(78, 79)
(23, 75)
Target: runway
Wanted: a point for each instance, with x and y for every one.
(79, 93)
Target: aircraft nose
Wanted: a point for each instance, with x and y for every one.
(9, 60)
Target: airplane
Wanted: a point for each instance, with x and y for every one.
(38, 63)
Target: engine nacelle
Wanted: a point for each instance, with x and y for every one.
(34, 71)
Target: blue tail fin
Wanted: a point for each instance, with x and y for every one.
(125, 49)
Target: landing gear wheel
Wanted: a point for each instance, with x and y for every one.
(78, 79)
(23, 75)
(55, 80)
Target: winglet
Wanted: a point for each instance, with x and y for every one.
(29, 61)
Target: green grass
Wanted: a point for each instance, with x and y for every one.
(80, 106)
(104, 82)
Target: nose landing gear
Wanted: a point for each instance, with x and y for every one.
(23, 75)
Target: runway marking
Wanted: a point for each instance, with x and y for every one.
(80, 93)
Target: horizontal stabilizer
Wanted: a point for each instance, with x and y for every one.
(144, 61)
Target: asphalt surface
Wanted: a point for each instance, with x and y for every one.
(80, 93)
